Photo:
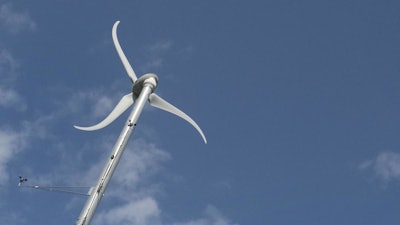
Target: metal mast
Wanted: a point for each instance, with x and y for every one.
(92, 202)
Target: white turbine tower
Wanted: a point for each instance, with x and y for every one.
(142, 91)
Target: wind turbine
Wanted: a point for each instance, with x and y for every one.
(142, 91)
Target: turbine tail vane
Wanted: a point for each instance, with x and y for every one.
(160, 103)
(125, 62)
(121, 107)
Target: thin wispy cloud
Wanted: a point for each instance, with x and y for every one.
(140, 212)
(132, 196)
(90, 105)
(385, 166)
(13, 139)
(212, 216)
(103, 106)
(11, 218)
(9, 97)
(156, 54)
(11, 143)
(15, 143)
(134, 193)
(8, 66)
(15, 21)
(160, 46)
(143, 159)
(138, 198)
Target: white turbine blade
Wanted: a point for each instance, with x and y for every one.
(160, 103)
(121, 54)
(121, 107)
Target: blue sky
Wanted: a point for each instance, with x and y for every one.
(299, 101)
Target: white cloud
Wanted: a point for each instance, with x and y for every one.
(156, 54)
(142, 159)
(15, 21)
(11, 218)
(10, 144)
(132, 194)
(9, 98)
(103, 106)
(147, 212)
(160, 51)
(91, 105)
(386, 166)
(8, 65)
(142, 212)
(133, 199)
(160, 46)
(212, 216)
(13, 143)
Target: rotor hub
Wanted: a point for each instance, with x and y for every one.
(150, 79)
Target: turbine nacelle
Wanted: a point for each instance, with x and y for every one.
(150, 80)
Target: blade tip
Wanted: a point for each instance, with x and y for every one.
(204, 138)
(82, 128)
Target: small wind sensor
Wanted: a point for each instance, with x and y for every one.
(22, 180)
